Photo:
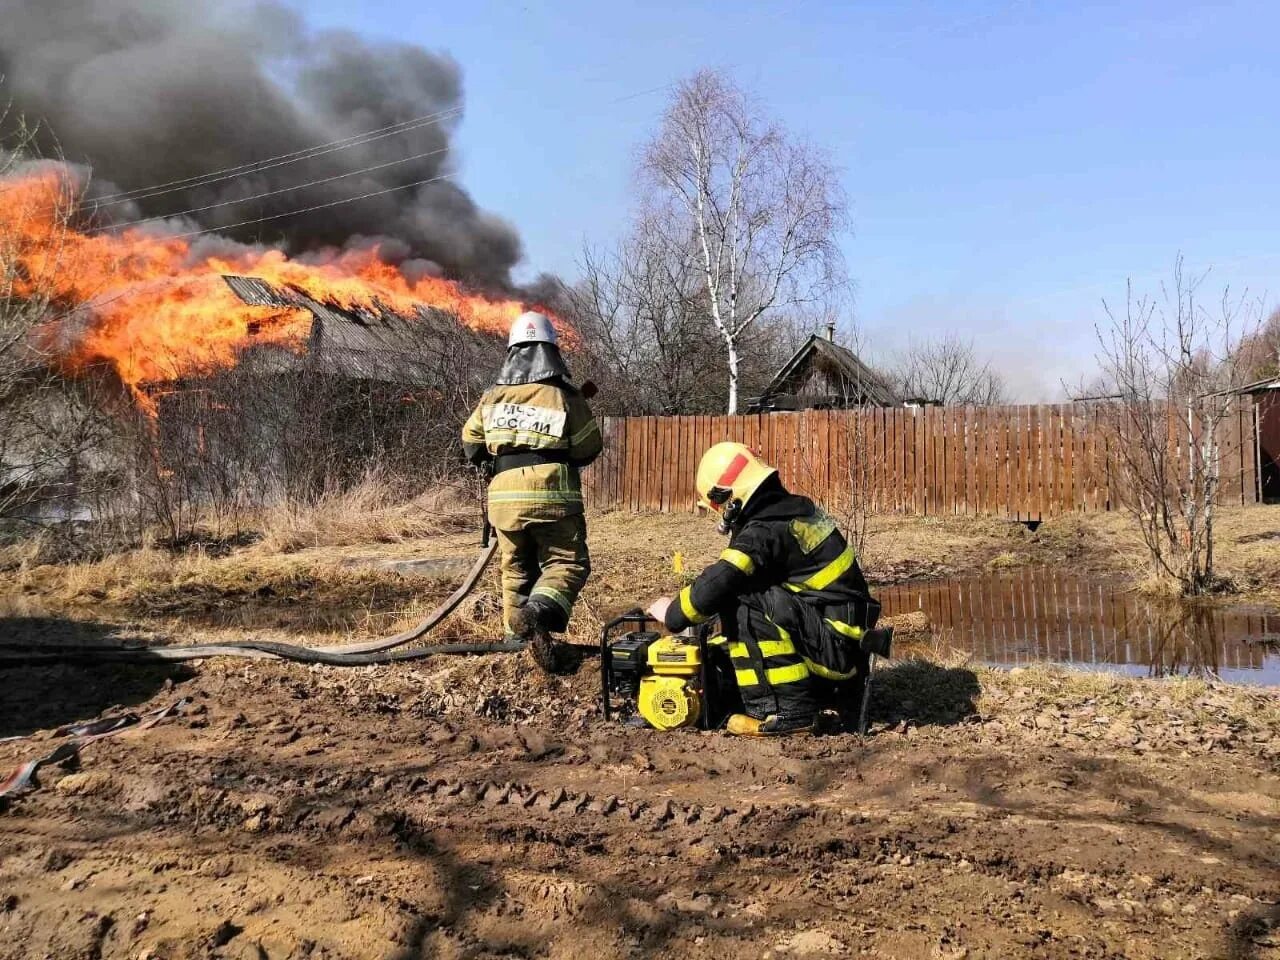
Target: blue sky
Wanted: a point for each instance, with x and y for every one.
(1009, 163)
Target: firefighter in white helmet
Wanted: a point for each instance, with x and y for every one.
(533, 430)
(792, 601)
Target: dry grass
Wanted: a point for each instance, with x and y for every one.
(1006, 561)
(366, 513)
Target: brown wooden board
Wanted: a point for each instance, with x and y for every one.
(1066, 446)
(679, 465)
(942, 473)
(921, 424)
(972, 460)
(1000, 506)
(1249, 433)
(1018, 462)
(932, 459)
(1026, 462)
(653, 466)
(1036, 463)
(982, 450)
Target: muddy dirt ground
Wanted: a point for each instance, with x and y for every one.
(452, 808)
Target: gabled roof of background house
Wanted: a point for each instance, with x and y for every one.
(871, 385)
(365, 344)
(1265, 385)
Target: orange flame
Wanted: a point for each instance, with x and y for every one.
(158, 309)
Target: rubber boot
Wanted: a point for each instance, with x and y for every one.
(529, 622)
(741, 725)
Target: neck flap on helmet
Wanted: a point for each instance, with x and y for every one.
(533, 363)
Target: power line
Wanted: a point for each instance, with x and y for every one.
(318, 206)
(244, 169)
(272, 193)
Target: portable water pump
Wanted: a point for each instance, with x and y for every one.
(670, 681)
(687, 681)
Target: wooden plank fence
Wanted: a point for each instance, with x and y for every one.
(1020, 462)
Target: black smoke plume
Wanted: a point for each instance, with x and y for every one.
(154, 91)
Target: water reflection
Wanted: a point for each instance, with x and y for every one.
(1043, 614)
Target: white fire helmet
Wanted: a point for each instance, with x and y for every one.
(532, 327)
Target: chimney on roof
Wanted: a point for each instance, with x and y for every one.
(831, 331)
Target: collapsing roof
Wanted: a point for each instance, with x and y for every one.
(824, 375)
(358, 342)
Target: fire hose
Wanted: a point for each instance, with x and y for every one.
(384, 650)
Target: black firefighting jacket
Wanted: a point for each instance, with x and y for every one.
(787, 556)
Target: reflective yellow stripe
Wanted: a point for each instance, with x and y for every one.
(687, 608)
(535, 496)
(839, 626)
(718, 641)
(739, 560)
(768, 648)
(552, 593)
(584, 432)
(525, 438)
(821, 671)
(828, 575)
(779, 675)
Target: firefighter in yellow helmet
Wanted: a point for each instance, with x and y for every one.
(792, 601)
(533, 430)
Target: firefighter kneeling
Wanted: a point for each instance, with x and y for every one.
(792, 601)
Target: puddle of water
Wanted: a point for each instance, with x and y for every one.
(1041, 614)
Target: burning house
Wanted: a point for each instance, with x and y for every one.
(357, 387)
(252, 374)
(368, 342)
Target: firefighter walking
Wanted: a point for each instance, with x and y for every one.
(533, 431)
(791, 598)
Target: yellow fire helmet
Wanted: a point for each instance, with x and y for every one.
(730, 471)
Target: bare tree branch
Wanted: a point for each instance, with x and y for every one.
(947, 371)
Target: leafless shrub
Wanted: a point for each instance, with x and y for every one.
(1169, 366)
(867, 490)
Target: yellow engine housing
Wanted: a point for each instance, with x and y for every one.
(668, 703)
(668, 697)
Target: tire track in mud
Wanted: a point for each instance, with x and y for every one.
(798, 835)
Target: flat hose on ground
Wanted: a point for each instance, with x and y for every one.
(342, 655)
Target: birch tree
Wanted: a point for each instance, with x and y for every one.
(764, 208)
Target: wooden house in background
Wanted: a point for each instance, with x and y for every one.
(822, 375)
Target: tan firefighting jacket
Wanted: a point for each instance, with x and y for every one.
(545, 416)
